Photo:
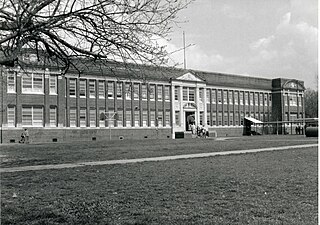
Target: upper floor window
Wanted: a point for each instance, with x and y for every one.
(213, 96)
(191, 94)
(92, 88)
(225, 97)
(32, 83)
(53, 116)
(136, 91)
(101, 89)
(246, 98)
(230, 97)
(11, 114)
(144, 92)
(201, 94)
(53, 84)
(128, 90)
(256, 98)
(261, 99)
(72, 87)
(159, 92)
(11, 82)
(119, 90)
(208, 96)
(110, 89)
(236, 97)
(185, 94)
(241, 97)
(293, 100)
(166, 93)
(82, 88)
(152, 90)
(219, 96)
(176, 93)
(251, 98)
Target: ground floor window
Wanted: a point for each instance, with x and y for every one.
(145, 118)
(32, 116)
(11, 114)
(92, 115)
(177, 116)
(167, 118)
(160, 118)
(128, 118)
(102, 122)
(73, 117)
(137, 118)
(120, 118)
(53, 116)
(82, 114)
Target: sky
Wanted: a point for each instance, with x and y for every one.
(270, 39)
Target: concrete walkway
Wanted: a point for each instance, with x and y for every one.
(152, 159)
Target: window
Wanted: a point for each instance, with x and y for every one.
(231, 119)
(128, 91)
(102, 122)
(32, 83)
(119, 90)
(251, 98)
(208, 96)
(11, 116)
(145, 118)
(236, 97)
(225, 118)
(92, 88)
(300, 100)
(120, 118)
(73, 117)
(191, 94)
(160, 118)
(92, 116)
(152, 92)
(101, 89)
(256, 98)
(285, 99)
(236, 118)
(201, 94)
(111, 118)
(241, 98)
(72, 87)
(230, 97)
(144, 92)
(177, 116)
(166, 93)
(136, 118)
(246, 98)
(201, 118)
(208, 118)
(167, 118)
(136, 91)
(220, 118)
(53, 84)
(32, 116)
(11, 82)
(83, 121)
(128, 118)
(110, 90)
(293, 100)
(159, 93)
(214, 119)
(53, 116)
(176, 93)
(225, 97)
(219, 97)
(82, 88)
(265, 99)
(261, 99)
(152, 118)
(213, 96)
(185, 94)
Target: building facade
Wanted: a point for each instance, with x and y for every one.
(137, 103)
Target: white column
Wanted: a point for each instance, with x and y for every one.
(197, 104)
(181, 107)
(205, 107)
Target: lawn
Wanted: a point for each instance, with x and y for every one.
(260, 188)
(54, 153)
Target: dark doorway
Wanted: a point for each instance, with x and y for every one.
(190, 118)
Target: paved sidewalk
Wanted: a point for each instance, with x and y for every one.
(152, 159)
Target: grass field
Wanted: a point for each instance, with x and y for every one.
(259, 188)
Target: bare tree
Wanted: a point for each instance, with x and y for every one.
(311, 103)
(115, 30)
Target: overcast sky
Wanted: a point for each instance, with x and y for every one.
(273, 38)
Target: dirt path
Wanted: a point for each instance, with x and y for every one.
(151, 159)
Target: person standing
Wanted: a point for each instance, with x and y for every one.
(26, 135)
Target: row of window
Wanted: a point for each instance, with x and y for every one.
(111, 90)
(292, 100)
(31, 83)
(33, 116)
(220, 96)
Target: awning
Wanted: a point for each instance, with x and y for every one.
(253, 120)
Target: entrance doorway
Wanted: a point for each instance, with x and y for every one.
(189, 119)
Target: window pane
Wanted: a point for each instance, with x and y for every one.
(73, 117)
(136, 118)
(27, 116)
(101, 122)
(128, 90)
(120, 118)
(83, 122)
(37, 116)
(145, 118)
(11, 81)
(119, 90)
(144, 92)
(167, 93)
(110, 89)
(38, 83)
(27, 83)
(191, 94)
(136, 92)
(128, 118)
(152, 91)
(159, 93)
(72, 87)
(176, 93)
(213, 96)
(167, 118)
(185, 94)
(160, 118)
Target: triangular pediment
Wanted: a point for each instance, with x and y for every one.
(189, 77)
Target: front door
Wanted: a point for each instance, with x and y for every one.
(189, 119)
